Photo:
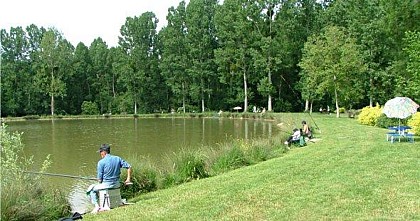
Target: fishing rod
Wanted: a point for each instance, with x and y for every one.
(301, 103)
(61, 175)
(310, 115)
(70, 176)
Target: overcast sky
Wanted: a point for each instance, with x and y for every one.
(81, 20)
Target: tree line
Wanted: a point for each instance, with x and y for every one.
(283, 55)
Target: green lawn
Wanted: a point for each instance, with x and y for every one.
(351, 173)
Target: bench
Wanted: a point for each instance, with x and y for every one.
(389, 135)
(393, 136)
(110, 198)
(410, 138)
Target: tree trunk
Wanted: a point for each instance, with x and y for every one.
(183, 97)
(311, 106)
(202, 96)
(113, 86)
(52, 92)
(52, 105)
(336, 101)
(245, 93)
(371, 95)
(269, 105)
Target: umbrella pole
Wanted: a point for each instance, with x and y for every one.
(399, 125)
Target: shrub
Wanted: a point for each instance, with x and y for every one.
(31, 117)
(230, 159)
(167, 180)
(370, 115)
(90, 108)
(353, 113)
(259, 153)
(23, 197)
(186, 166)
(256, 150)
(385, 122)
(143, 176)
(414, 123)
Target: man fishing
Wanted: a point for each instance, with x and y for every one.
(108, 174)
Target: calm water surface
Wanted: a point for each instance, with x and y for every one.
(72, 144)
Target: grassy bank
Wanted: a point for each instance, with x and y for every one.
(191, 164)
(350, 173)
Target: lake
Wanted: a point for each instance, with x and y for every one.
(72, 144)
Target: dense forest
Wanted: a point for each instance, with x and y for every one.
(282, 55)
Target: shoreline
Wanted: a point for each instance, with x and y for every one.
(247, 115)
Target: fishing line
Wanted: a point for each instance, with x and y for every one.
(61, 175)
(70, 176)
(300, 102)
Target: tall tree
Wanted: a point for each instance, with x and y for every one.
(49, 77)
(335, 58)
(138, 40)
(201, 45)
(362, 20)
(122, 69)
(411, 80)
(295, 21)
(234, 31)
(78, 85)
(400, 16)
(35, 99)
(100, 76)
(378, 27)
(175, 56)
(263, 16)
(15, 67)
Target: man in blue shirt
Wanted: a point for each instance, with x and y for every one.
(108, 174)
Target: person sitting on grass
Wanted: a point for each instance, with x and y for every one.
(306, 131)
(294, 137)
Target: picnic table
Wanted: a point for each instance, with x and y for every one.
(399, 132)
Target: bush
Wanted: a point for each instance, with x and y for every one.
(230, 159)
(186, 166)
(414, 123)
(353, 113)
(167, 180)
(385, 122)
(370, 115)
(190, 166)
(90, 108)
(143, 176)
(259, 153)
(31, 117)
(23, 197)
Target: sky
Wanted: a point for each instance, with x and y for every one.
(81, 20)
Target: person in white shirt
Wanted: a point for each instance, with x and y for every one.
(294, 137)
